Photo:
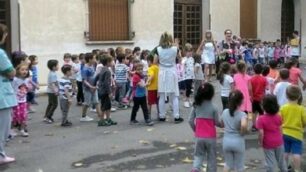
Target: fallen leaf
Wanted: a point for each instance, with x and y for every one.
(187, 160)
(144, 142)
(150, 129)
(173, 145)
(181, 148)
(79, 164)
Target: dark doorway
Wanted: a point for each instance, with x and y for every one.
(5, 18)
(287, 19)
(188, 21)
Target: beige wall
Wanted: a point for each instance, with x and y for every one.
(269, 20)
(225, 14)
(49, 28)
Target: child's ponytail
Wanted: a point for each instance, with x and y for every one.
(235, 100)
(225, 68)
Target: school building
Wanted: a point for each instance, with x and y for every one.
(50, 28)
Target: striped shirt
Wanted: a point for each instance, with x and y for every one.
(121, 73)
(64, 83)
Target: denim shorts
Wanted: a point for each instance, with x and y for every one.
(293, 145)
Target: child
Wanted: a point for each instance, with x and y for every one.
(294, 122)
(261, 53)
(277, 52)
(180, 74)
(52, 91)
(198, 73)
(19, 57)
(144, 61)
(265, 73)
(203, 119)
(242, 83)
(271, 51)
(295, 74)
(33, 72)
(259, 84)
(67, 59)
(121, 74)
(21, 85)
(227, 83)
(139, 96)
(104, 80)
(152, 84)
(255, 54)
(280, 87)
(235, 126)
(89, 90)
(282, 54)
(274, 73)
(65, 94)
(78, 67)
(188, 63)
(270, 134)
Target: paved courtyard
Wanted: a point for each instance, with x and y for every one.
(165, 147)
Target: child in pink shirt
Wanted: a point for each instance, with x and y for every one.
(295, 73)
(270, 134)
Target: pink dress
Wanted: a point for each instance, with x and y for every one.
(241, 83)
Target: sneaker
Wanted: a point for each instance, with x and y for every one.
(93, 110)
(103, 123)
(134, 122)
(162, 119)
(113, 109)
(66, 124)
(186, 104)
(178, 120)
(7, 160)
(48, 121)
(86, 119)
(24, 133)
(122, 107)
(149, 122)
(110, 121)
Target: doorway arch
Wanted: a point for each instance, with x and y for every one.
(287, 26)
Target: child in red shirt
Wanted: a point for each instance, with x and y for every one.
(259, 84)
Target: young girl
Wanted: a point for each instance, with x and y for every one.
(180, 74)
(270, 134)
(144, 61)
(198, 73)
(295, 73)
(235, 126)
(242, 83)
(271, 81)
(188, 63)
(203, 119)
(21, 84)
(227, 83)
(33, 72)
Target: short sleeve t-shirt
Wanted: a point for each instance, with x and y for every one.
(259, 85)
(121, 73)
(153, 72)
(188, 63)
(226, 86)
(21, 87)
(65, 84)
(294, 120)
(295, 73)
(280, 92)
(138, 91)
(52, 79)
(88, 74)
(232, 125)
(271, 125)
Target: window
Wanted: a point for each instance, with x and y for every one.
(108, 20)
(5, 18)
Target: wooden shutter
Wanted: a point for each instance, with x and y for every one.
(5, 18)
(248, 19)
(108, 20)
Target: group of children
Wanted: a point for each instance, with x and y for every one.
(270, 101)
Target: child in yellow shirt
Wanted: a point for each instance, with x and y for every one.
(152, 83)
(293, 124)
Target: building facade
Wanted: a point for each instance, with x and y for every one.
(51, 28)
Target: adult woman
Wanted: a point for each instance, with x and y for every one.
(227, 48)
(167, 77)
(7, 97)
(208, 49)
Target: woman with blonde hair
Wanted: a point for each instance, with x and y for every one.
(167, 52)
(208, 49)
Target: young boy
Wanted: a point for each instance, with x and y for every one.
(274, 73)
(280, 88)
(65, 94)
(294, 121)
(121, 74)
(89, 90)
(259, 85)
(78, 67)
(104, 80)
(139, 96)
(52, 91)
(67, 59)
(152, 84)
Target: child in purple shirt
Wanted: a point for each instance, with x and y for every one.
(270, 134)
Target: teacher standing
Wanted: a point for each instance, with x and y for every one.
(7, 96)
(167, 77)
